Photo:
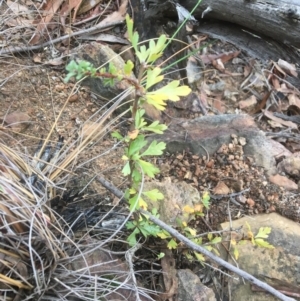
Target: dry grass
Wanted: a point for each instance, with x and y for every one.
(40, 256)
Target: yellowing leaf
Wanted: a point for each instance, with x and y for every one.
(153, 77)
(158, 101)
(262, 243)
(199, 256)
(233, 242)
(172, 91)
(236, 253)
(163, 235)
(188, 209)
(216, 240)
(263, 232)
(143, 204)
(128, 67)
(192, 231)
(172, 244)
(198, 208)
(184, 224)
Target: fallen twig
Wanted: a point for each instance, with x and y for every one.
(11, 50)
(200, 249)
(217, 259)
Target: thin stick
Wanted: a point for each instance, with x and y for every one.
(10, 50)
(218, 260)
(203, 251)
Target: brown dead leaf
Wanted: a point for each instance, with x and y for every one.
(278, 71)
(116, 16)
(271, 116)
(248, 103)
(49, 9)
(284, 182)
(219, 105)
(287, 67)
(275, 83)
(88, 5)
(67, 8)
(294, 100)
(221, 188)
(218, 64)
(224, 57)
(18, 121)
(133, 134)
(262, 103)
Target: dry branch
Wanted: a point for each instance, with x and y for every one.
(277, 19)
(202, 250)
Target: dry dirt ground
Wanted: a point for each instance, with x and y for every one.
(35, 101)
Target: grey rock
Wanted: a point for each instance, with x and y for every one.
(282, 262)
(190, 288)
(176, 196)
(207, 134)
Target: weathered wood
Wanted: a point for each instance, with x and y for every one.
(277, 19)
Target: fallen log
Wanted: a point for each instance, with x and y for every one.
(279, 20)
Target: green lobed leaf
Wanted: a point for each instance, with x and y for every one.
(160, 255)
(154, 149)
(216, 240)
(133, 202)
(128, 67)
(149, 169)
(156, 101)
(117, 135)
(153, 77)
(143, 54)
(136, 145)
(139, 120)
(206, 199)
(149, 229)
(132, 237)
(112, 69)
(154, 195)
(129, 23)
(126, 169)
(136, 176)
(156, 127)
(156, 49)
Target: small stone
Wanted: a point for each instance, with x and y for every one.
(250, 203)
(73, 98)
(283, 182)
(242, 141)
(59, 88)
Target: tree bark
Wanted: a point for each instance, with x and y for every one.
(277, 19)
